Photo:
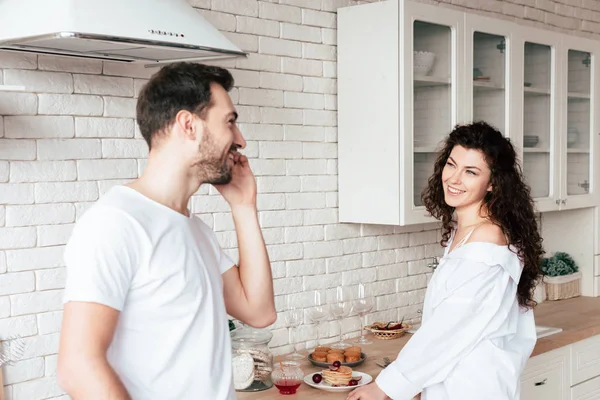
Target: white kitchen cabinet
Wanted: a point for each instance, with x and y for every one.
(535, 86)
(588, 390)
(585, 360)
(547, 376)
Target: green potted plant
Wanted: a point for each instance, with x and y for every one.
(562, 277)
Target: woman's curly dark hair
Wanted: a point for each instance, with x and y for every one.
(509, 203)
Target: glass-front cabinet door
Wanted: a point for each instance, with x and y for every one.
(540, 158)
(578, 141)
(437, 44)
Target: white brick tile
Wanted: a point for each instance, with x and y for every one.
(298, 66)
(410, 253)
(251, 149)
(419, 238)
(3, 266)
(279, 47)
(49, 322)
(269, 219)
(244, 78)
(2, 223)
(359, 245)
(18, 103)
(376, 258)
(320, 118)
(318, 18)
(42, 388)
(37, 258)
(17, 238)
(319, 85)
(331, 199)
(127, 70)
(42, 171)
(322, 249)
(331, 102)
(105, 185)
(270, 201)
(287, 285)
(222, 221)
(314, 282)
(10, 59)
(38, 127)
(53, 235)
(304, 201)
(14, 149)
(25, 370)
(103, 85)
(124, 148)
(319, 150)
(18, 326)
(70, 104)
(333, 5)
(106, 169)
(300, 33)
(329, 36)
(285, 252)
(418, 267)
(206, 204)
(16, 193)
(50, 365)
(138, 84)
(245, 42)
(65, 192)
(304, 100)
(305, 267)
(271, 80)
(271, 115)
(411, 283)
(36, 302)
(142, 165)
(40, 82)
(319, 217)
(314, 4)
(4, 171)
(104, 127)
(273, 236)
(311, 134)
(391, 301)
(17, 282)
(255, 26)
(261, 62)
(332, 167)
(391, 271)
(261, 97)
(299, 234)
(267, 167)
(237, 7)
(329, 69)
(43, 214)
(306, 167)
(119, 107)
(363, 275)
(318, 183)
(280, 150)
(261, 131)
(69, 64)
(318, 51)
(278, 269)
(221, 21)
(342, 231)
(50, 278)
(279, 12)
(249, 114)
(393, 241)
(71, 149)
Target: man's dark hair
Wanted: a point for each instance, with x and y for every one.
(176, 87)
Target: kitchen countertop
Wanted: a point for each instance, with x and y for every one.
(579, 319)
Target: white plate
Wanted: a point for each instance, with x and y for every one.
(366, 379)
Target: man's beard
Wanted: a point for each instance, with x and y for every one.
(213, 167)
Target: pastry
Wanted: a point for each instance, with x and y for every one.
(341, 377)
(355, 349)
(320, 357)
(331, 357)
(243, 371)
(340, 351)
(352, 357)
(323, 349)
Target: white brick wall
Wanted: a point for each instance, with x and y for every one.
(71, 136)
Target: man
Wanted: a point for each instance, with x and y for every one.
(148, 286)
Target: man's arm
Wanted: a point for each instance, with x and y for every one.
(83, 370)
(248, 289)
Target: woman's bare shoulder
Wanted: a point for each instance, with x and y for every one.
(489, 233)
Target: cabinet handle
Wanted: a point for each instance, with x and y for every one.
(563, 201)
(558, 202)
(541, 383)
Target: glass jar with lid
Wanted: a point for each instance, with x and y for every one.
(252, 359)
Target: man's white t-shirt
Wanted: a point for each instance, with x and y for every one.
(162, 271)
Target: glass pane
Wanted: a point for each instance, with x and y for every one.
(489, 79)
(432, 96)
(578, 122)
(537, 134)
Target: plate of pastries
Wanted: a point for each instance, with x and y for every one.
(326, 356)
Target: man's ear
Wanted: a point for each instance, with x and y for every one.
(186, 124)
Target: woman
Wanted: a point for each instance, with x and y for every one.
(478, 329)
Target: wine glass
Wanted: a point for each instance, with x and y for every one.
(341, 308)
(293, 319)
(318, 312)
(362, 305)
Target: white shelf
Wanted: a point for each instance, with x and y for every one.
(428, 81)
(536, 150)
(578, 96)
(578, 151)
(533, 91)
(11, 88)
(483, 85)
